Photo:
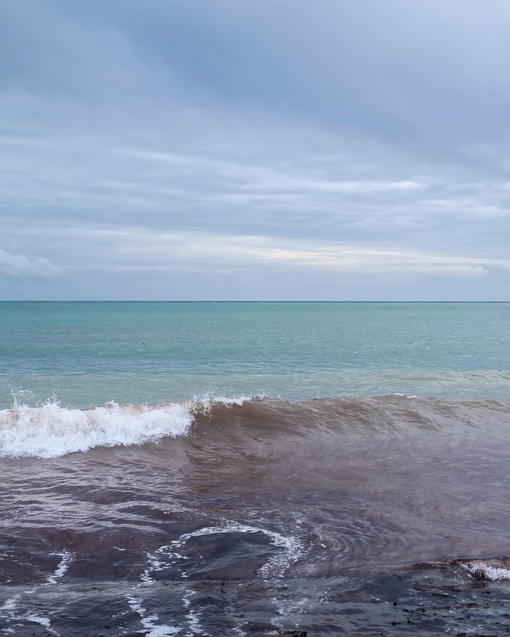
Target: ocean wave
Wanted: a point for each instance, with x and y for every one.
(51, 430)
(494, 570)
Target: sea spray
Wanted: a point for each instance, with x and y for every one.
(51, 430)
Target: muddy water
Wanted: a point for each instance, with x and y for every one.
(334, 516)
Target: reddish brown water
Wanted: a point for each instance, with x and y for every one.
(330, 517)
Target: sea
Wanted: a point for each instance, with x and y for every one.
(254, 469)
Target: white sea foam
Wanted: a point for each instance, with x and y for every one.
(9, 612)
(487, 570)
(50, 430)
(152, 629)
(192, 616)
(10, 604)
(36, 619)
(274, 568)
(62, 567)
(291, 550)
(207, 401)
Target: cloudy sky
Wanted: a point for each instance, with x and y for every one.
(272, 149)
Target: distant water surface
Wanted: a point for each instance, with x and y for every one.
(85, 354)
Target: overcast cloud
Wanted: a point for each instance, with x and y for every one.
(277, 149)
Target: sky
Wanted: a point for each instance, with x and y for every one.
(266, 150)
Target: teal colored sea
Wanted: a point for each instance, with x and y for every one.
(86, 354)
(254, 469)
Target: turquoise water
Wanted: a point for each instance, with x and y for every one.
(84, 354)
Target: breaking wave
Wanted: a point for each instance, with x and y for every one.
(51, 430)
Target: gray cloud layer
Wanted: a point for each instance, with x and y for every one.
(255, 150)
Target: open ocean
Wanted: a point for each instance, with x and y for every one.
(230, 469)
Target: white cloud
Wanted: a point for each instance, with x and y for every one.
(137, 249)
(17, 265)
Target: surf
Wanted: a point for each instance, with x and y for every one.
(51, 430)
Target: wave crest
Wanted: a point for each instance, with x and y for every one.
(50, 430)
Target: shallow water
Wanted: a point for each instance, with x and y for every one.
(263, 516)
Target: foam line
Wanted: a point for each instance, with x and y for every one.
(148, 622)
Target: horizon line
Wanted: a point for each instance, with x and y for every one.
(245, 301)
